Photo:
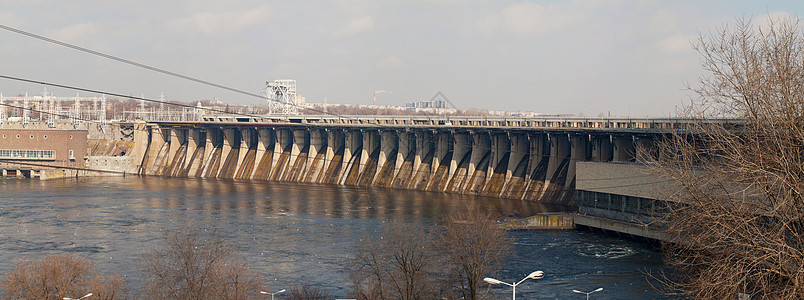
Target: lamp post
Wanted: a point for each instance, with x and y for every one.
(272, 294)
(534, 275)
(587, 294)
(68, 298)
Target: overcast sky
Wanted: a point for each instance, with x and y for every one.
(581, 56)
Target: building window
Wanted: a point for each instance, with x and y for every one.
(32, 136)
(72, 156)
(18, 136)
(27, 154)
(4, 136)
(71, 136)
(44, 136)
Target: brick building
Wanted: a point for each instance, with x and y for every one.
(42, 148)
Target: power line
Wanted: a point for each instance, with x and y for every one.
(117, 95)
(49, 113)
(151, 68)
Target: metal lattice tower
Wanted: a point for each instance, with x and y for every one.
(77, 111)
(281, 95)
(101, 113)
(48, 108)
(50, 104)
(2, 110)
(25, 116)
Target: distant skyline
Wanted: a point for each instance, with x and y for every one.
(624, 57)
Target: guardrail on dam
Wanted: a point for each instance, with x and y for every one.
(529, 159)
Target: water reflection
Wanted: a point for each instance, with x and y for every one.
(290, 232)
(267, 198)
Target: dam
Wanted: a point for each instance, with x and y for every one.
(527, 159)
(601, 166)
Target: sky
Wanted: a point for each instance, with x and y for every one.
(581, 57)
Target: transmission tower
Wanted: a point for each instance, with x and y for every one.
(281, 95)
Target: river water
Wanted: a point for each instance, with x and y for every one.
(295, 233)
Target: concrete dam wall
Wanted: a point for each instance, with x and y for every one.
(531, 165)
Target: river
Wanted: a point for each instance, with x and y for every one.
(295, 233)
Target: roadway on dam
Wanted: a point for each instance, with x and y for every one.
(294, 233)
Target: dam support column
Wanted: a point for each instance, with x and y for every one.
(519, 158)
(580, 151)
(229, 153)
(405, 159)
(478, 163)
(500, 155)
(557, 167)
(441, 161)
(387, 160)
(278, 148)
(459, 164)
(370, 157)
(423, 161)
(623, 148)
(645, 149)
(245, 143)
(174, 146)
(335, 156)
(177, 151)
(140, 145)
(536, 181)
(299, 153)
(211, 153)
(248, 153)
(352, 156)
(264, 157)
(195, 146)
(601, 148)
(316, 156)
(286, 145)
(157, 152)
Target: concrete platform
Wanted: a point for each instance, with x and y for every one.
(640, 230)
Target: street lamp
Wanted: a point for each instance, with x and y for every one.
(587, 294)
(534, 275)
(68, 298)
(272, 294)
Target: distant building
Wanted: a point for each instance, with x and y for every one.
(436, 103)
(300, 100)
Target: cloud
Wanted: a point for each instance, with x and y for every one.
(390, 62)
(75, 32)
(675, 44)
(532, 18)
(83, 34)
(10, 19)
(764, 21)
(357, 26)
(222, 23)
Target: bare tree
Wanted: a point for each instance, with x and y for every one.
(109, 288)
(738, 222)
(59, 276)
(402, 264)
(476, 248)
(306, 292)
(192, 266)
